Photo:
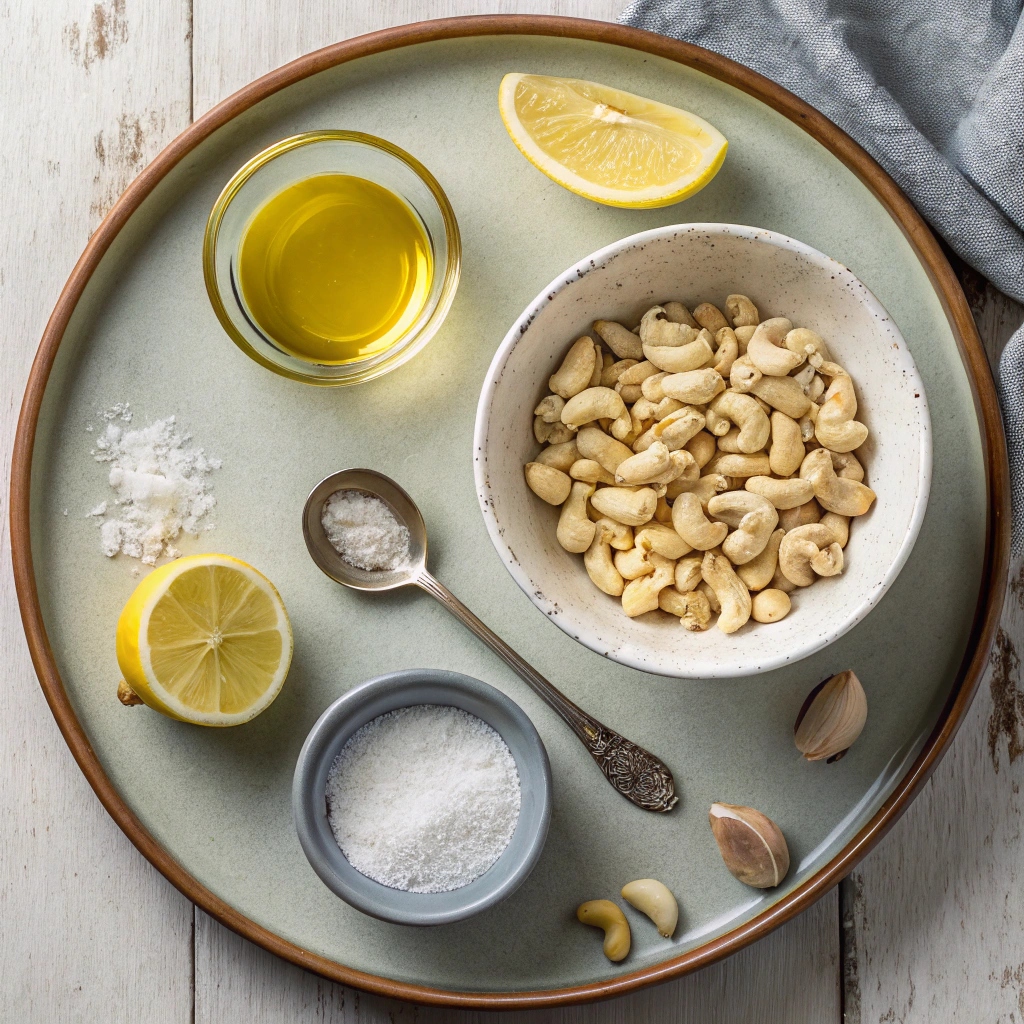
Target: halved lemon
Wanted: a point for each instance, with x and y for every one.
(205, 639)
(608, 145)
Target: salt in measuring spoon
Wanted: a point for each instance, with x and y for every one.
(637, 774)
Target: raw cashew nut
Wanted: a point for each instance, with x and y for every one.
(779, 581)
(839, 525)
(702, 447)
(791, 518)
(575, 531)
(695, 387)
(755, 520)
(835, 493)
(704, 488)
(594, 443)
(758, 572)
(807, 344)
(555, 433)
(766, 348)
(742, 465)
(662, 538)
(679, 314)
(560, 456)
(634, 563)
(590, 472)
(809, 550)
(743, 374)
(650, 387)
(597, 404)
(576, 370)
(597, 560)
(782, 393)
(605, 914)
(653, 898)
(693, 526)
(716, 424)
(632, 506)
(595, 379)
(847, 466)
(611, 374)
(665, 333)
(741, 311)
(732, 595)
(550, 409)
(619, 535)
(641, 595)
(676, 348)
(710, 317)
(770, 606)
(688, 574)
(743, 335)
(549, 484)
(835, 426)
(787, 451)
(656, 465)
(622, 341)
(754, 426)
(730, 442)
(638, 373)
(678, 428)
(692, 608)
(710, 596)
(782, 493)
(727, 352)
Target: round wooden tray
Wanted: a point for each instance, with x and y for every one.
(228, 844)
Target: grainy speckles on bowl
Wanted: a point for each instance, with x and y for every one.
(692, 263)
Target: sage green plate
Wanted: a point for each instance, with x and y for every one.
(212, 807)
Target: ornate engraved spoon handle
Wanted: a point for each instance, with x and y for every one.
(637, 774)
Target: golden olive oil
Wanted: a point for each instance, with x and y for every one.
(335, 268)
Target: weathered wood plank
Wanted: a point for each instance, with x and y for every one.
(933, 920)
(791, 977)
(91, 90)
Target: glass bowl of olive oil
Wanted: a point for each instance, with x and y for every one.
(332, 257)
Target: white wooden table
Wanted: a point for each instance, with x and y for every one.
(928, 929)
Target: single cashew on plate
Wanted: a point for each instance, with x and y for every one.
(606, 915)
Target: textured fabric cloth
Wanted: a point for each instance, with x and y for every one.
(933, 90)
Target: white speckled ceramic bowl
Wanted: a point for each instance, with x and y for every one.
(692, 263)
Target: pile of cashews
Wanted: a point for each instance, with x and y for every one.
(704, 463)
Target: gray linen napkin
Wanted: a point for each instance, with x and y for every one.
(933, 90)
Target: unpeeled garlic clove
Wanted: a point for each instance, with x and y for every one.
(831, 718)
(752, 846)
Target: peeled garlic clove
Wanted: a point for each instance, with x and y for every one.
(831, 718)
(752, 846)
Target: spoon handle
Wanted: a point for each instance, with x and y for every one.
(637, 774)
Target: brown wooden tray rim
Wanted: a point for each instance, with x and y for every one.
(954, 303)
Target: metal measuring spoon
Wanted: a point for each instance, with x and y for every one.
(637, 774)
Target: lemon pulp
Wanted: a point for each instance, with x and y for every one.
(609, 145)
(335, 268)
(205, 639)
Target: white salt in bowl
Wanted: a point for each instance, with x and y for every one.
(693, 263)
(377, 697)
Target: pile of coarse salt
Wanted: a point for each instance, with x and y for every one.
(160, 487)
(424, 799)
(364, 531)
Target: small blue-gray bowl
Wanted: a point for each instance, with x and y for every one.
(387, 693)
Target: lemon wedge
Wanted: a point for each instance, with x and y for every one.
(607, 145)
(205, 639)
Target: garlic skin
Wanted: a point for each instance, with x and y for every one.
(752, 846)
(831, 718)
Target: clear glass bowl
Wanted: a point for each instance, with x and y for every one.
(292, 160)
